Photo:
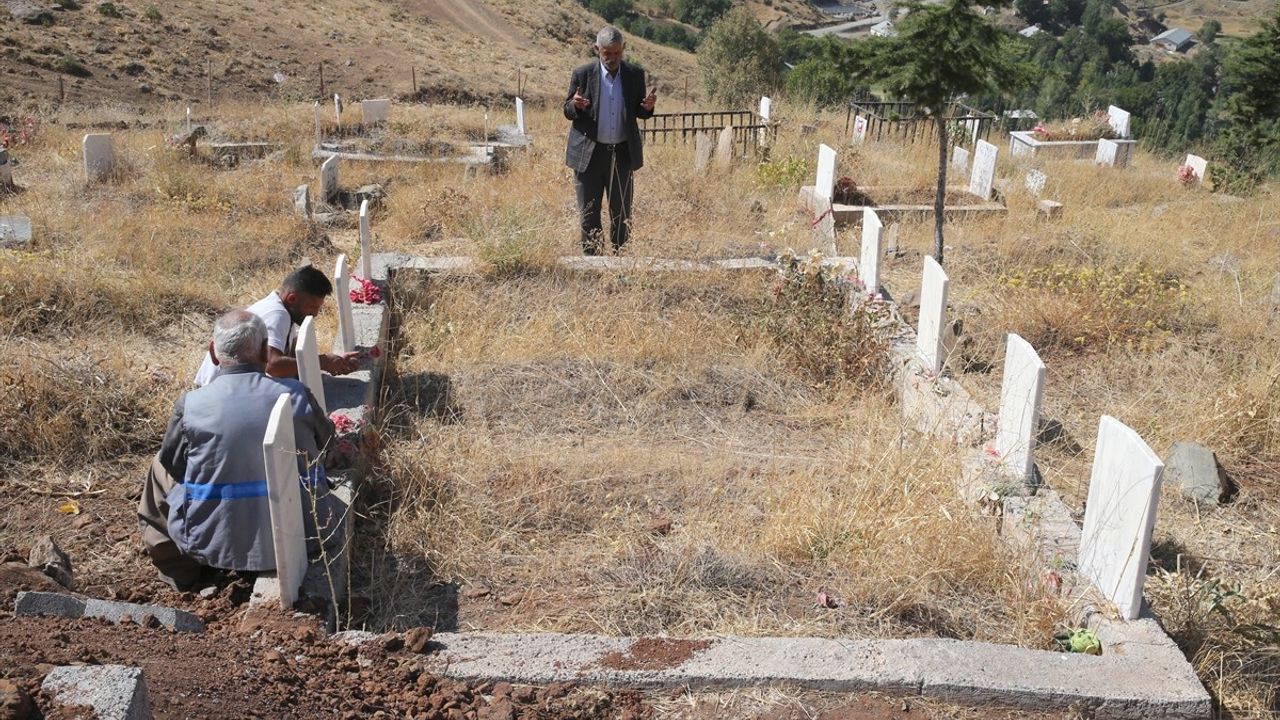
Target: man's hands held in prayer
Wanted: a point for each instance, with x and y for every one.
(340, 364)
(649, 101)
(580, 102)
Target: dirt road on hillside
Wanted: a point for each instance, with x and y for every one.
(471, 16)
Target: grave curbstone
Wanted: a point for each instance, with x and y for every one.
(114, 692)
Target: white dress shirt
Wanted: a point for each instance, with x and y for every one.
(609, 128)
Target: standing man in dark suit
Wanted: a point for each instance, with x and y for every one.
(605, 98)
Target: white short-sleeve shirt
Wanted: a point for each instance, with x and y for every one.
(279, 333)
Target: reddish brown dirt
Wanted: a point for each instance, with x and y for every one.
(653, 654)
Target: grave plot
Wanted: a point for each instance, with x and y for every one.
(1104, 138)
(379, 130)
(648, 454)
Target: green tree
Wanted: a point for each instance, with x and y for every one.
(1248, 147)
(739, 59)
(610, 10)
(1208, 33)
(701, 12)
(941, 52)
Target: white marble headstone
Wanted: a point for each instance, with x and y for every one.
(960, 159)
(1124, 492)
(329, 179)
(99, 157)
(284, 500)
(1035, 181)
(1119, 120)
(724, 147)
(307, 353)
(702, 150)
(366, 242)
(766, 108)
(984, 169)
(859, 130)
(869, 258)
(337, 110)
(825, 181)
(345, 340)
(1021, 393)
(1107, 150)
(933, 312)
(375, 112)
(520, 116)
(1199, 165)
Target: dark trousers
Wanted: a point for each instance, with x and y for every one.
(608, 172)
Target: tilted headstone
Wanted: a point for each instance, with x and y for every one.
(1198, 165)
(1119, 120)
(1035, 181)
(15, 230)
(329, 179)
(859, 130)
(6, 170)
(345, 341)
(724, 147)
(1021, 392)
(933, 311)
(984, 169)
(1124, 491)
(99, 157)
(960, 159)
(366, 242)
(308, 356)
(869, 258)
(375, 112)
(825, 181)
(520, 116)
(284, 499)
(302, 201)
(1107, 150)
(702, 149)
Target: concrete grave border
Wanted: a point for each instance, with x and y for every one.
(850, 214)
(1142, 672)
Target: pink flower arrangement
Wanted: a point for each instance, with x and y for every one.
(1187, 175)
(365, 292)
(342, 423)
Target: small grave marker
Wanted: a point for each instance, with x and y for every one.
(766, 108)
(825, 181)
(308, 355)
(984, 169)
(337, 110)
(520, 116)
(15, 230)
(1021, 392)
(345, 341)
(329, 179)
(1035, 181)
(869, 259)
(284, 499)
(99, 157)
(1198, 165)
(1119, 120)
(933, 311)
(1124, 491)
(366, 242)
(1107, 152)
(6, 170)
(702, 149)
(960, 159)
(724, 147)
(859, 130)
(375, 112)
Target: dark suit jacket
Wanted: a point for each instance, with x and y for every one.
(582, 135)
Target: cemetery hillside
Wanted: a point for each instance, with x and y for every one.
(931, 368)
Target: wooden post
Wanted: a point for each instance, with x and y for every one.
(413, 74)
(322, 93)
(62, 91)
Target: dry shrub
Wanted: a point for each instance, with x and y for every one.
(70, 409)
(1063, 308)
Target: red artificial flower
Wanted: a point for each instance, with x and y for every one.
(365, 292)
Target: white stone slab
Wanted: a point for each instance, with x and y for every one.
(329, 179)
(1106, 154)
(1199, 165)
(307, 353)
(933, 313)
(825, 181)
(15, 230)
(702, 149)
(960, 159)
(6, 169)
(1035, 181)
(99, 157)
(337, 110)
(284, 499)
(520, 116)
(1119, 120)
(859, 130)
(724, 147)
(984, 169)
(375, 112)
(366, 242)
(345, 341)
(1124, 491)
(824, 226)
(766, 107)
(869, 259)
(1021, 392)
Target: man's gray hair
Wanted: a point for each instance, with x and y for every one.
(238, 336)
(608, 35)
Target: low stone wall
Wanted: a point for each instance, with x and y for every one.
(1024, 144)
(852, 214)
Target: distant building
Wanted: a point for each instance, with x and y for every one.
(884, 29)
(1174, 40)
(1029, 31)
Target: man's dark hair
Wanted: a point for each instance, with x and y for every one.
(308, 280)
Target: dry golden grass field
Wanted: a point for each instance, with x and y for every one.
(586, 412)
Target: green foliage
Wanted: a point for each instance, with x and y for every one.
(1208, 33)
(152, 13)
(790, 171)
(659, 31)
(71, 65)
(739, 59)
(831, 71)
(610, 10)
(701, 12)
(1249, 145)
(110, 10)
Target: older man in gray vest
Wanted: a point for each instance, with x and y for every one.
(204, 504)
